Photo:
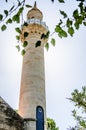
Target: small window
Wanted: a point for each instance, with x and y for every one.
(32, 17)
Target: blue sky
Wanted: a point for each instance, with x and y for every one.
(65, 65)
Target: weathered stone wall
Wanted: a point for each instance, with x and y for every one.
(9, 119)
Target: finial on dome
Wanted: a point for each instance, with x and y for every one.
(34, 13)
(35, 5)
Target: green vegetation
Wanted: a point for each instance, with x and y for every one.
(78, 98)
(51, 125)
(64, 28)
(79, 113)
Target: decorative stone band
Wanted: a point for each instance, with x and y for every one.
(29, 119)
(37, 21)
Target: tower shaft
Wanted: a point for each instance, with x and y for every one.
(32, 102)
(32, 91)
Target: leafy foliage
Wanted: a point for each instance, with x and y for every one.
(51, 125)
(1, 17)
(61, 1)
(18, 47)
(3, 27)
(23, 52)
(52, 0)
(71, 31)
(18, 30)
(60, 31)
(9, 21)
(26, 34)
(16, 18)
(25, 43)
(53, 41)
(71, 24)
(63, 13)
(38, 43)
(28, 6)
(79, 100)
(47, 46)
(9, 16)
(45, 36)
(17, 37)
(64, 28)
(73, 128)
(6, 12)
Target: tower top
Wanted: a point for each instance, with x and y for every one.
(34, 13)
(35, 5)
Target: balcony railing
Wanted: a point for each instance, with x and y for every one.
(37, 21)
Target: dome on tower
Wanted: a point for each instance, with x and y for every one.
(34, 13)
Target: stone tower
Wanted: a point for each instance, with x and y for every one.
(32, 102)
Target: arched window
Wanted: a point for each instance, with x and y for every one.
(39, 118)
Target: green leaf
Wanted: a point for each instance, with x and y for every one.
(75, 14)
(60, 22)
(80, 19)
(71, 31)
(9, 21)
(18, 30)
(19, 3)
(47, 35)
(25, 43)
(38, 43)
(23, 52)
(60, 35)
(43, 36)
(20, 10)
(82, 123)
(3, 27)
(1, 17)
(60, 31)
(28, 6)
(69, 23)
(18, 47)
(25, 24)
(26, 34)
(47, 46)
(52, 0)
(58, 28)
(63, 13)
(63, 33)
(61, 1)
(84, 23)
(16, 18)
(76, 24)
(85, 9)
(11, 8)
(81, 7)
(17, 37)
(53, 41)
(6, 12)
